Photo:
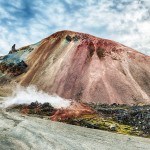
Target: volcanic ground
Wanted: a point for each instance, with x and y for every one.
(124, 119)
(107, 83)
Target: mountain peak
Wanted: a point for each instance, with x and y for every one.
(82, 67)
(87, 39)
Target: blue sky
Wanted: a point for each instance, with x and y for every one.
(23, 22)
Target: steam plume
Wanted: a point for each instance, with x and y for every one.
(22, 95)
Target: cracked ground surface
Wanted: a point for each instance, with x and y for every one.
(18, 132)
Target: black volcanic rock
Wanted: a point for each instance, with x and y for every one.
(136, 116)
(13, 49)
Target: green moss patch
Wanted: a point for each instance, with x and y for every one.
(97, 122)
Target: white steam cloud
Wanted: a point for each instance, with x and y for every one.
(22, 95)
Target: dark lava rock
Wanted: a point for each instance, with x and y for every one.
(44, 109)
(68, 38)
(83, 123)
(13, 69)
(13, 49)
(136, 116)
(76, 38)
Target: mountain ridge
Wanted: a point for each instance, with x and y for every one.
(86, 68)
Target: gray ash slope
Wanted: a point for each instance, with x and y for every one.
(19, 132)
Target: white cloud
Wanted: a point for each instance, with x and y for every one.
(130, 25)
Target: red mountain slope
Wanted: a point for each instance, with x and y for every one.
(89, 69)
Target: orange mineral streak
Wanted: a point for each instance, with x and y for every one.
(25, 110)
(88, 69)
(75, 110)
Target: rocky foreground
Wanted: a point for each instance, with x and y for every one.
(124, 119)
(19, 132)
(137, 116)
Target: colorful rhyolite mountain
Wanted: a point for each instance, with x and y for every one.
(81, 67)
